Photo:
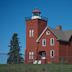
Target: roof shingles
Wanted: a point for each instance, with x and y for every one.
(60, 34)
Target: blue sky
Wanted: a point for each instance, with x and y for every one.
(13, 13)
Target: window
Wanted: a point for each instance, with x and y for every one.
(52, 53)
(31, 55)
(47, 32)
(31, 33)
(52, 42)
(43, 42)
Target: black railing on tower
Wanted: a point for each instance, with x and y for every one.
(42, 18)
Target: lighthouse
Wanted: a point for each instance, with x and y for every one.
(36, 14)
(34, 27)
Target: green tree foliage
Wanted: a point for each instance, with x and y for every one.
(14, 55)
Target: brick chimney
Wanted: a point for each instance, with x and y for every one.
(59, 27)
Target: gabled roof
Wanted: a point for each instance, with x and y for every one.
(68, 34)
(60, 34)
(41, 34)
(63, 35)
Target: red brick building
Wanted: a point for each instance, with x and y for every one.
(46, 45)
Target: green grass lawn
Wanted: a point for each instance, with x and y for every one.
(36, 68)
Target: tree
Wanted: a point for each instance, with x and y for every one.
(14, 55)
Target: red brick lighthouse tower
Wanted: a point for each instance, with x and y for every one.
(34, 27)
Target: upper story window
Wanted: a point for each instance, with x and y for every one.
(31, 55)
(43, 42)
(47, 32)
(52, 53)
(31, 33)
(52, 41)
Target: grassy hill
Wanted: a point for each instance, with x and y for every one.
(36, 68)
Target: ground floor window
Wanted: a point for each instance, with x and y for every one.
(52, 53)
(31, 55)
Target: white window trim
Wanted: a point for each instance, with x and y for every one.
(31, 55)
(52, 44)
(31, 33)
(43, 42)
(51, 53)
(47, 32)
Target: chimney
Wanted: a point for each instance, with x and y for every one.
(59, 27)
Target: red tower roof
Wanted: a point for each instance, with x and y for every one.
(36, 11)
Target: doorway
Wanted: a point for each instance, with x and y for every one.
(42, 55)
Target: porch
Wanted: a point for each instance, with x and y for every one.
(41, 58)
